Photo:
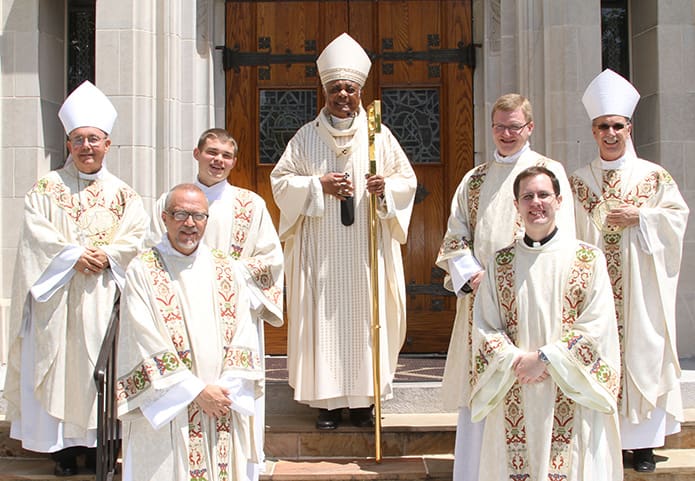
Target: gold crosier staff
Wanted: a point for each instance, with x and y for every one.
(374, 123)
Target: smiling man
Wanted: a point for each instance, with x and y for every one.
(322, 187)
(81, 228)
(240, 225)
(633, 210)
(482, 220)
(190, 367)
(547, 357)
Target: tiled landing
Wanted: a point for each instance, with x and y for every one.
(389, 469)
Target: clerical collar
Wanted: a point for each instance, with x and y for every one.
(166, 248)
(532, 243)
(90, 177)
(616, 164)
(213, 192)
(619, 163)
(510, 159)
(350, 139)
(70, 164)
(340, 123)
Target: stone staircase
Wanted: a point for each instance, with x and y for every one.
(417, 443)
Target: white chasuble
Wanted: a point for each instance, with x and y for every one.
(187, 321)
(59, 316)
(555, 298)
(239, 223)
(327, 263)
(644, 263)
(483, 219)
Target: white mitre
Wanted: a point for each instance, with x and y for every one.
(610, 94)
(343, 59)
(87, 106)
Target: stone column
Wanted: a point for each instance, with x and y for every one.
(31, 136)
(663, 70)
(547, 51)
(156, 60)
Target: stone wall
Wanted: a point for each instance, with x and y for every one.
(32, 87)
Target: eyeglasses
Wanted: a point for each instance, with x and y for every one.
(617, 127)
(92, 140)
(513, 129)
(542, 196)
(183, 215)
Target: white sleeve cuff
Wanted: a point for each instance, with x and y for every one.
(172, 401)
(241, 393)
(461, 269)
(58, 273)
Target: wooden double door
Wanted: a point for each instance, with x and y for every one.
(422, 72)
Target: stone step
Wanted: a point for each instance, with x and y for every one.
(414, 447)
(37, 469)
(430, 468)
(686, 438)
(408, 398)
(296, 438)
(672, 465)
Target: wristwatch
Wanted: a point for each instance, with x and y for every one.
(543, 358)
(466, 288)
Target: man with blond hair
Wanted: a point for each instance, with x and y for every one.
(482, 220)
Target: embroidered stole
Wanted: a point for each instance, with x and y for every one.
(612, 190)
(475, 184)
(169, 309)
(518, 461)
(243, 214)
(260, 271)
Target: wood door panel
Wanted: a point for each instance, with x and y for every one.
(408, 24)
(288, 27)
(429, 331)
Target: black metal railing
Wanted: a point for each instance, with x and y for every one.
(108, 426)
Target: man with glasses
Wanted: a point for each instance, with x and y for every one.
(239, 225)
(632, 209)
(546, 351)
(189, 361)
(81, 228)
(322, 187)
(482, 220)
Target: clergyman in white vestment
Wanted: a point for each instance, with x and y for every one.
(239, 225)
(482, 220)
(82, 226)
(322, 187)
(632, 209)
(189, 357)
(546, 352)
